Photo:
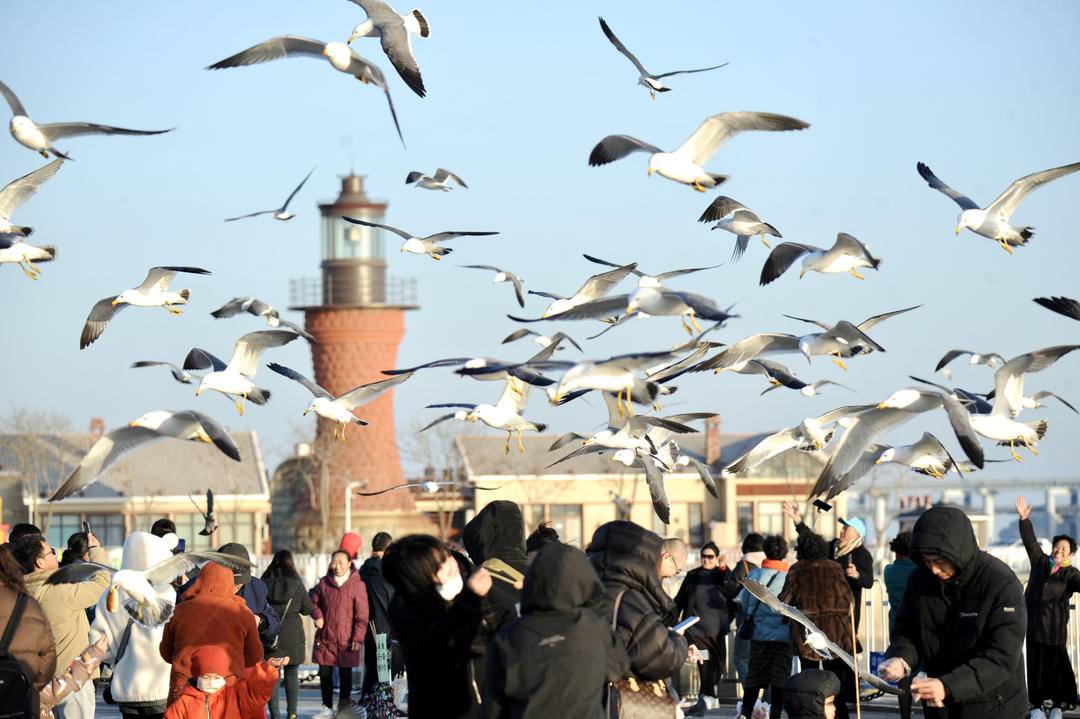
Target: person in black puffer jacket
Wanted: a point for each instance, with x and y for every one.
(625, 556)
(379, 594)
(811, 694)
(495, 540)
(1052, 582)
(963, 619)
(286, 594)
(557, 659)
(702, 595)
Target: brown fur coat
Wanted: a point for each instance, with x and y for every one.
(819, 589)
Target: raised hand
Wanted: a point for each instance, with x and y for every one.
(1022, 508)
(791, 510)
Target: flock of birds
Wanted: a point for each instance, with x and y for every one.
(847, 440)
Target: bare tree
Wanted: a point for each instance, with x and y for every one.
(40, 453)
(435, 453)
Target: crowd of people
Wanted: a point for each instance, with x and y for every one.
(506, 625)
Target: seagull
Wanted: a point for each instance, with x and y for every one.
(1061, 305)
(615, 374)
(153, 292)
(814, 637)
(393, 31)
(338, 54)
(13, 247)
(647, 281)
(490, 369)
(739, 220)
(646, 79)
(259, 308)
(780, 376)
(438, 181)
(846, 255)
(1000, 425)
(844, 339)
(654, 479)
(926, 456)
(151, 427)
(209, 517)
(506, 414)
(282, 213)
(143, 603)
(1035, 401)
(626, 432)
(422, 245)
(542, 340)
(235, 378)
(504, 276)
(40, 138)
(15, 250)
(595, 287)
(990, 359)
(686, 164)
(340, 409)
(865, 427)
(178, 374)
(428, 486)
(993, 222)
(972, 402)
(810, 434)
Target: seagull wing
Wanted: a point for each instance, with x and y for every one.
(452, 234)
(763, 595)
(312, 386)
(276, 48)
(687, 72)
(298, 330)
(748, 348)
(250, 214)
(77, 573)
(398, 49)
(389, 489)
(687, 271)
(160, 277)
(601, 283)
(781, 258)
(442, 175)
(862, 432)
(107, 451)
(201, 359)
(248, 349)
(595, 309)
(717, 129)
(449, 362)
(293, 193)
(98, 319)
(60, 130)
(616, 147)
(580, 452)
(178, 374)
(400, 233)
(213, 429)
(1061, 305)
(1009, 378)
(234, 307)
(852, 246)
(705, 473)
(1044, 394)
(720, 208)
(12, 100)
(177, 565)
(949, 357)
(17, 192)
(930, 444)
(369, 392)
(621, 48)
(1009, 200)
(869, 322)
(437, 420)
(654, 478)
(518, 334)
(965, 202)
(764, 450)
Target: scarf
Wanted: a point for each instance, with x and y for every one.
(776, 564)
(845, 548)
(340, 581)
(1060, 565)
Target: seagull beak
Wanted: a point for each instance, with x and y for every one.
(306, 410)
(958, 228)
(351, 38)
(198, 391)
(115, 302)
(650, 171)
(882, 405)
(877, 461)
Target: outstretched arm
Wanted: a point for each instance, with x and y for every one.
(1027, 532)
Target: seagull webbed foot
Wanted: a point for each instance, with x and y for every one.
(1005, 245)
(856, 275)
(1012, 448)
(839, 362)
(698, 187)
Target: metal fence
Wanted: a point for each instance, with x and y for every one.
(311, 292)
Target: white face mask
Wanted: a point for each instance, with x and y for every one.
(210, 685)
(451, 589)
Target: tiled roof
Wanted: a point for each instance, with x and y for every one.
(169, 467)
(483, 455)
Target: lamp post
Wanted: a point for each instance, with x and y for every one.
(349, 487)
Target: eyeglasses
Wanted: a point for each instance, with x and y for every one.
(53, 550)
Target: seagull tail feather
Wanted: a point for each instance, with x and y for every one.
(51, 249)
(1026, 233)
(359, 421)
(417, 24)
(57, 153)
(442, 251)
(772, 230)
(26, 231)
(259, 395)
(718, 179)
(185, 294)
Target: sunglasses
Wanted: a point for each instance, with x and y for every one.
(708, 556)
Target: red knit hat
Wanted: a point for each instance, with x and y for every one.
(210, 659)
(350, 544)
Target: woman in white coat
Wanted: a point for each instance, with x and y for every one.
(140, 679)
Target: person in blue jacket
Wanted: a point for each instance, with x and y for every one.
(770, 641)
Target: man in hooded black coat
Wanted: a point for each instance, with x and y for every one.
(963, 619)
(557, 659)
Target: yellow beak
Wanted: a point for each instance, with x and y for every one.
(115, 302)
(629, 310)
(877, 461)
(650, 171)
(306, 410)
(882, 406)
(133, 424)
(958, 230)
(198, 391)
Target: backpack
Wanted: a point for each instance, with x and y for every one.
(18, 698)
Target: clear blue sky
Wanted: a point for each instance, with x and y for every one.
(518, 94)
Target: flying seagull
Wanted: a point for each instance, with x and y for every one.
(178, 374)
(142, 601)
(422, 245)
(1061, 305)
(993, 222)
(15, 250)
(153, 292)
(504, 276)
(615, 374)
(209, 516)
(990, 359)
(439, 181)
(111, 447)
(646, 79)
(594, 288)
(810, 434)
(340, 409)
(393, 31)
(13, 246)
(814, 637)
(505, 415)
(739, 220)
(40, 138)
(780, 376)
(234, 378)
(338, 54)
(846, 255)
(654, 479)
(259, 308)
(542, 340)
(282, 213)
(926, 456)
(427, 486)
(686, 164)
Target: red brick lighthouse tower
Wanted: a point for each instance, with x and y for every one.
(357, 314)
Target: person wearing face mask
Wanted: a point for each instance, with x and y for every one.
(963, 618)
(340, 610)
(215, 692)
(1052, 582)
(436, 614)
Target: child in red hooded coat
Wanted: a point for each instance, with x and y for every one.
(214, 692)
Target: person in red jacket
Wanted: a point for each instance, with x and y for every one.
(341, 615)
(211, 613)
(215, 692)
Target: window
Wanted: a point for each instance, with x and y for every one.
(188, 527)
(342, 240)
(746, 518)
(770, 518)
(696, 522)
(238, 527)
(62, 526)
(566, 520)
(108, 528)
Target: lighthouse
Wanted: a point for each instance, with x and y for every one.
(357, 314)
